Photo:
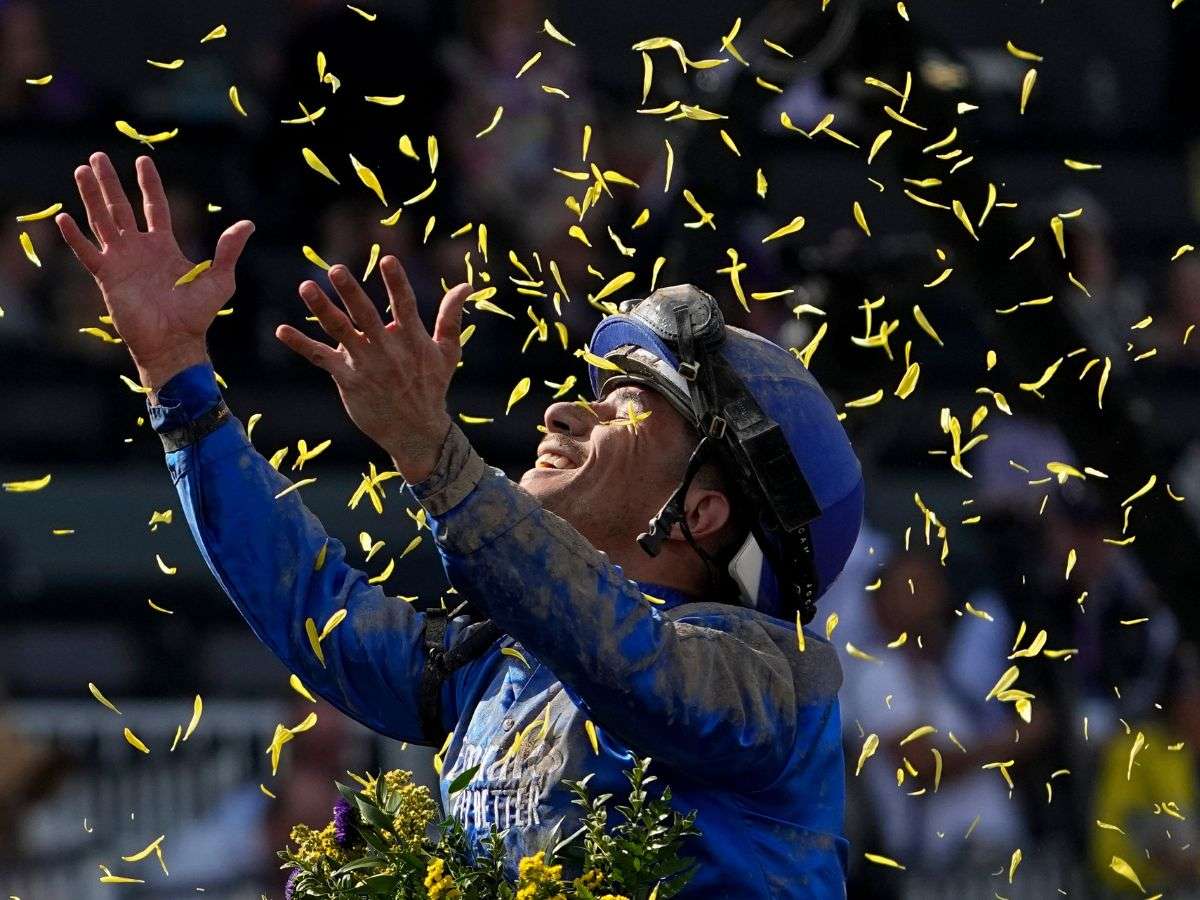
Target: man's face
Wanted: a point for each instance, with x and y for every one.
(608, 480)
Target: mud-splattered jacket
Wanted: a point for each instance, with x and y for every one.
(743, 726)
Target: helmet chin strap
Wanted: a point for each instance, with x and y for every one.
(672, 512)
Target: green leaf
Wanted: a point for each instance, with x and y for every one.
(365, 862)
(371, 814)
(462, 780)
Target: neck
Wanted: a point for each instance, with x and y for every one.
(677, 567)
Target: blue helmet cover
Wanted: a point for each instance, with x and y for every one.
(788, 393)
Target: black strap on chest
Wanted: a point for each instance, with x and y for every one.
(441, 662)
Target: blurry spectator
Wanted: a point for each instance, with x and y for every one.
(1113, 588)
(237, 840)
(25, 53)
(1152, 797)
(847, 596)
(503, 176)
(1181, 309)
(29, 773)
(938, 676)
(1117, 300)
(23, 286)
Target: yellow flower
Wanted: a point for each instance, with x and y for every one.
(438, 883)
(536, 880)
(591, 879)
(315, 848)
(414, 808)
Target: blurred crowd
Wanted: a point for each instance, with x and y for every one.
(942, 632)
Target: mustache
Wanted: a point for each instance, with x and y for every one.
(570, 447)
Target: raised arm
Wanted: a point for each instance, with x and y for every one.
(269, 553)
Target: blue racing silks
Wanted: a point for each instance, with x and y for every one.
(742, 725)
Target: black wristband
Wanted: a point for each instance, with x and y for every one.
(178, 438)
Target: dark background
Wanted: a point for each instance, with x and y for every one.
(1117, 86)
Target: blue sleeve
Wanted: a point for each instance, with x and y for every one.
(263, 553)
(707, 693)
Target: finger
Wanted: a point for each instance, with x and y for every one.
(230, 245)
(361, 309)
(85, 251)
(448, 328)
(320, 355)
(154, 198)
(114, 194)
(401, 298)
(98, 216)
(335, 322)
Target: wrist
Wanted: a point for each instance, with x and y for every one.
(156, 371)
(416, 460)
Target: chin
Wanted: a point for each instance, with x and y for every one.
(549, 486)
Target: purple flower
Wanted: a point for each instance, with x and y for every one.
(290, 887)
(342, 819)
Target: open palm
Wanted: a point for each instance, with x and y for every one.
(137, 270)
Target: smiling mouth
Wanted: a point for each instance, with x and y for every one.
(551, 460)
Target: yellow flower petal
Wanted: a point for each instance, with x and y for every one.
(150, 848)
(1125, 870)
(368, 178)
(1022, 54)
(135, 741)
(515, 654)
(870, 745)
(421, 196)
(548, 28)
(217, 33)
(495, 121)
(521, 389)
(40, 214)
(193, 273)
(303, 482)
(197, 709)
(314, 641)
(334, 621)
(369, 16)
(861, 218)
(27, 246)
(909, 382)
(1027, 88)
(591, 733)
(882, 860)
(529, 63)
(236, 100)
(313, 257)
(103, 700)
(25, 487)
(150, 139)
(300, 689)
(790, 228)
(918, 733)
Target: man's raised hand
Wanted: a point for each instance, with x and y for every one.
(392, 378)
(162, 324)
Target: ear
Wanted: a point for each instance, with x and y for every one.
(707, 513)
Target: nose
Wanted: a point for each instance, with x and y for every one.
(570, 419)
